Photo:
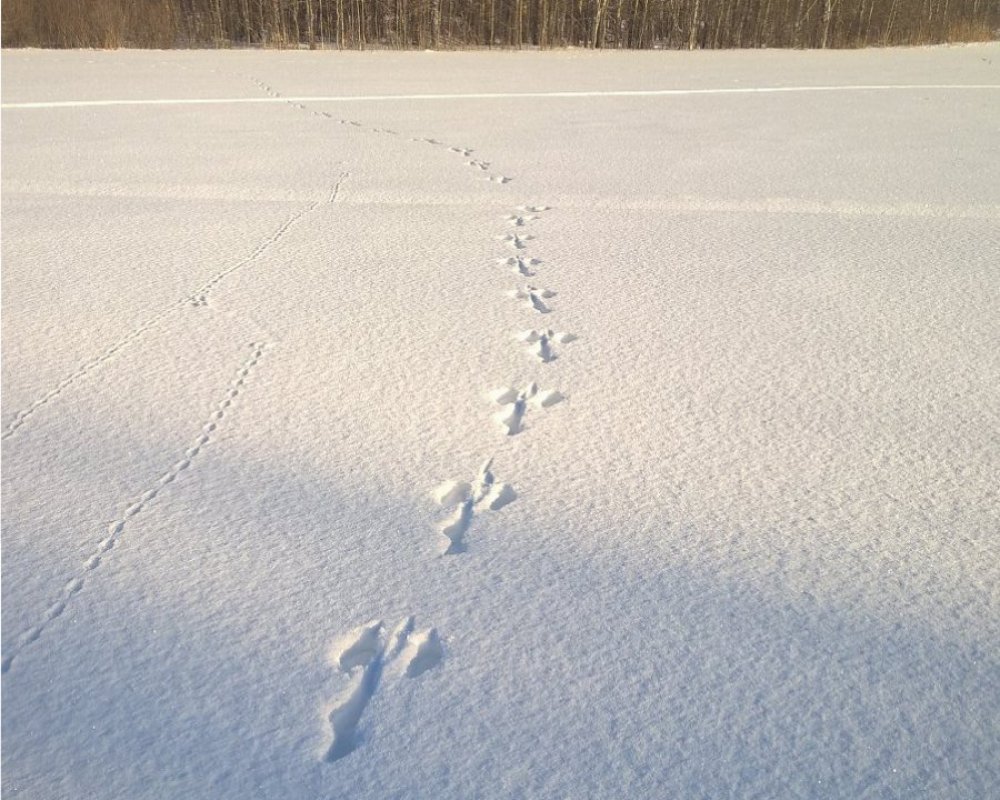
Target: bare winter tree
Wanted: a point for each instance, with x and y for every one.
(510, 23)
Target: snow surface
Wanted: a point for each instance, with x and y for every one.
(752, 553)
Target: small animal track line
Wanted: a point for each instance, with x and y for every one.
(268, 243)
(365, 655)
(270, 91)
(199, 297)
(464, 152)
(518, 220)
(468, 499)
(140, 503)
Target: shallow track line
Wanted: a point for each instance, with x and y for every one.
(117, 528)
(197, 297)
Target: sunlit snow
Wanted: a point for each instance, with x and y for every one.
(267, 534)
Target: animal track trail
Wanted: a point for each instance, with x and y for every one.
(540, 343)
(467, 500)
(275, 237)
(366, 655)
(268, 90)
(464, 152)
(533, 298)
(515, 404)
(116, 529)
(197, 298)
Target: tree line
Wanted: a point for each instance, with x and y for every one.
(639, 24)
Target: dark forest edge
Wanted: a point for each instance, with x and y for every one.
(455, 24)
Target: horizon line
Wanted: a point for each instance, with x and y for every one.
(496, 95)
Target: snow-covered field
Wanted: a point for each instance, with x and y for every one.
(739, 536)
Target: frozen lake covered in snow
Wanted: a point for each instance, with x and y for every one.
(726, 324)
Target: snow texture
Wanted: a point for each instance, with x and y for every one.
(755, 553)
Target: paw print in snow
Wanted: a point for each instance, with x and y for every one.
(533, 298)
(468, 500)
(540, 343)
(515, 404)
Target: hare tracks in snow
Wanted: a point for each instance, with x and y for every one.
(514, 405)
(467, 500)
(365, 655)
(540, 343)
(533, 298)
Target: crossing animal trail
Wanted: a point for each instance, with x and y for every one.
(198, 297)
(138, 505)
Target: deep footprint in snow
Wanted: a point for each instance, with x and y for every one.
(468, 500)
(357, 648)
(533, 298)
(515, 240)
(540, 343)
(476, 163)
(365, 655)
(500, 179)
(520, 220)
(423, 652)
(515, 404)
(520, 264)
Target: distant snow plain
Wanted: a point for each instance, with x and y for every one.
(549, 442)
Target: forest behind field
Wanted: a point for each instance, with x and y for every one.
(640, 24)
